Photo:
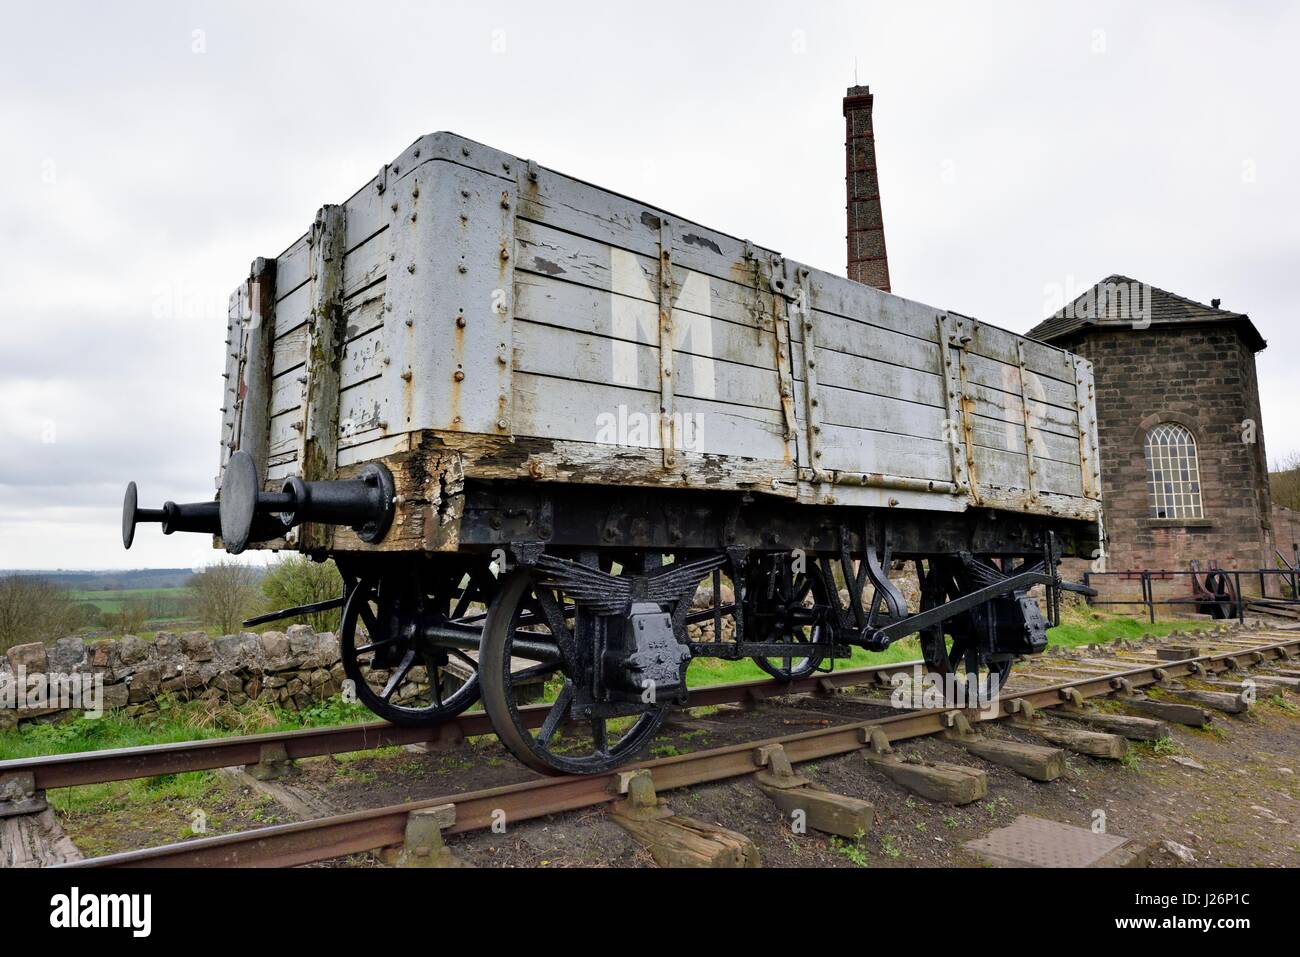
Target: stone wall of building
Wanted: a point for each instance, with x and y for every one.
(290, 669)
(1202, 377)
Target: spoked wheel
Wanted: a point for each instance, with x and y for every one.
(411, 651)
(960, 657)
(788, 608)
(536, 633)
(957, 652)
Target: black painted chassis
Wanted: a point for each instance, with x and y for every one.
(515, 523)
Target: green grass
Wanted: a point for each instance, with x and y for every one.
(197, 720)
(1083, 625)
(111, 599)
(714, 671)
(175, 722)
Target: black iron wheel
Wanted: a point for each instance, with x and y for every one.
(791, 608)
(412, 653)
(533, 635)
(951, 649)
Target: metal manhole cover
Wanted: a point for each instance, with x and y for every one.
(1035, 842)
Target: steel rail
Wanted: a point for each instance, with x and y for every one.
(360, 831)
(121, 764)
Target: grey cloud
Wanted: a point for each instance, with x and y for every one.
(1022, 147)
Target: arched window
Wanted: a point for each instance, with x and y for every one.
(1173, 474)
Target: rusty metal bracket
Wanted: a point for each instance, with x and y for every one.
(1024, 708)
(503, 305)
(800, 315)
(766, 311)
(19, 795)
(318, 440)
(667, 422)
(1030, 468)
(951, 349)
(876, 739)
(1089, 456)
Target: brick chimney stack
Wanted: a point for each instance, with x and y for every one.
(868, 263)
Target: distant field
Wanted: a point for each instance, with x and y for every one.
(110, 600)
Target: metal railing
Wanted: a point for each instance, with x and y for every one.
(1216, 592)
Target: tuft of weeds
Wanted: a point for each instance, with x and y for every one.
(890, 847)
(852, 851)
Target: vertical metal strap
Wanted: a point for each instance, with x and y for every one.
(1085, 409)
(318, 443)
(950, 363)
(667, 423)
(799, 311)
(768, 314)
(503, 297)
(237, 319)
(1030, 468)
(254, 423)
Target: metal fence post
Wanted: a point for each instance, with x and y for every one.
(1241, 602)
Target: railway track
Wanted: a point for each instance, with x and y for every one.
(360, 831)
(121, 764)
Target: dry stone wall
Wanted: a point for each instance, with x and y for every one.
(290, 669)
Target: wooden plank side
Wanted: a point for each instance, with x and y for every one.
(290, 351)
(842, 297)
(292, 270)
(563, 354)
(292, 312)
(285, 429)
(699, 331)
(287, 391)
(864, 450)
(870, 376)
(1006, 377)
(853, 337)
(364, 358)
(544, 253)
(995, 404)
(1002, 469)
(562, 203)
(366, 265)
(880, 413)
(619, 416)
(1010, 437)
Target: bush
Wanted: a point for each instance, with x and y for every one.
(225, 593)
(33, 609)
(296, 580)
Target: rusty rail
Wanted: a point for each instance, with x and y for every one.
(120, 764)
(339, 835)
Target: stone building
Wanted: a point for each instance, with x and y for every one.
(1183, 468)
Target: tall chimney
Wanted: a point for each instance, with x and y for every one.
(868, 262)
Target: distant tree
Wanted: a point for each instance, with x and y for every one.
(86, 614)
(224, 594)
(297, 580)
(1284, 481)
(131, 617)
(33, 609)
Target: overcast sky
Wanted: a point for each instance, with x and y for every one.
(1026, 150)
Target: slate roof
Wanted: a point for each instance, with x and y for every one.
(1124, 303)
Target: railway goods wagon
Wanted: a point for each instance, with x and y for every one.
(561, 442)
